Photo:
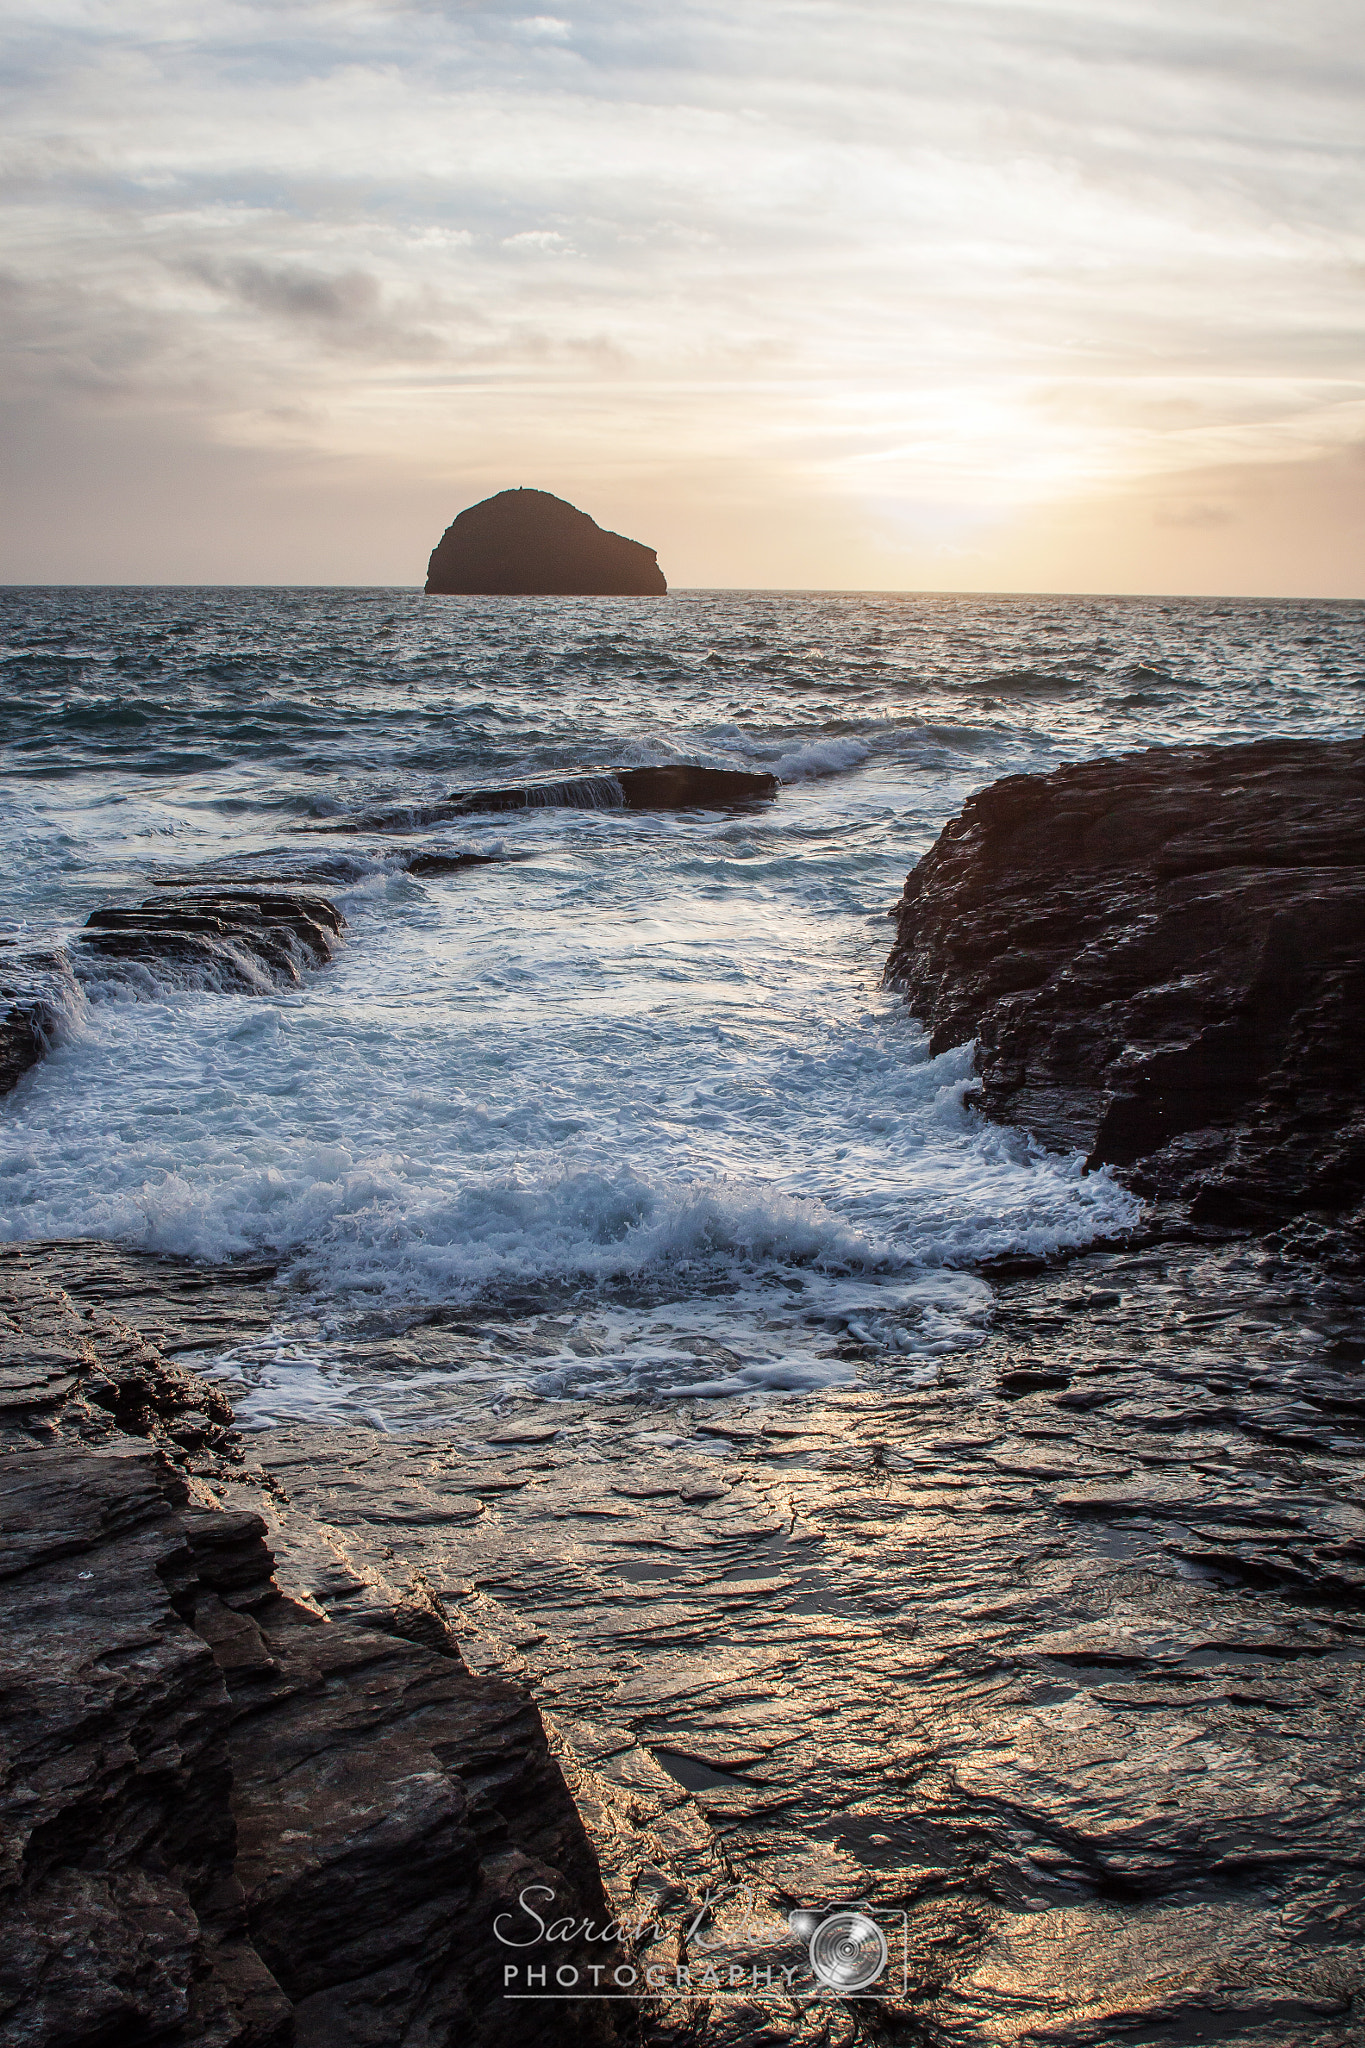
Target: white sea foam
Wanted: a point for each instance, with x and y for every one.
(641, 1074)
(824, 757)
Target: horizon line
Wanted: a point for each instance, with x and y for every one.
(731, 590)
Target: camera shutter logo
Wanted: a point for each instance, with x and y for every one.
(847, 1950)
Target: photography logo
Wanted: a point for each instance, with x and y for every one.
(730, 1944)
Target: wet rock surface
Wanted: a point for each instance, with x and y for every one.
(677, 787)
(531, 543)
(242, 938)
(36, 987)
(225, 1818)
(23, 1042)
(1162, 958)
(1059, 1658)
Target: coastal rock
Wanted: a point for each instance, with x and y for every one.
(246, 939)
(69, 1372)
(120, 1916)
(239, 938)
(36, 990)
(1054, 1662)
(678, 786)
(1162, 959)
(227, 1821)
(22, 1044)
(533, 544)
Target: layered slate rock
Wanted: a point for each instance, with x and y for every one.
(242, 938)
(120, 1915)
(76, 1372)
(1162, 960)
(227, 1821)
(529, 543)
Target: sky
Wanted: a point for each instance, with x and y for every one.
(837, 294)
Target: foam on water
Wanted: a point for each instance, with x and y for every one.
(632, 1096)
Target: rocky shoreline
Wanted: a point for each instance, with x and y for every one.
(1056, 1665)
(1060, 1658)
(1162, 960)
(227, 1815)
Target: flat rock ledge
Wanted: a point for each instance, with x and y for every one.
(225, 1818)
(1162, 960)
(1058, 1663)
(677, 786)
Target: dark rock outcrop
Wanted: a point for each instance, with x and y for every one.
(121, 1918)
(679, 786)
(227, 1821)
(1162, 959)
(35, 989)
(237, 938)
(244, 939)
(22, 1044)
(529, 543)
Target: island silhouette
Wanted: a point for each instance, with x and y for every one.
(530, 543)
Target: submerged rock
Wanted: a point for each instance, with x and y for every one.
(679, 786)
(1162, 959)
(533, 544)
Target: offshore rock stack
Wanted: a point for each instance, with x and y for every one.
(529, 543)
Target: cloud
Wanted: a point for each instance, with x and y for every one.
(969, 258)
(343, 298)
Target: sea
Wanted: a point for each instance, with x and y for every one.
(629, 1103)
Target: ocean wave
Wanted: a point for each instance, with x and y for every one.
(820, 758)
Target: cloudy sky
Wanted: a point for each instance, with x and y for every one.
(948, 294)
